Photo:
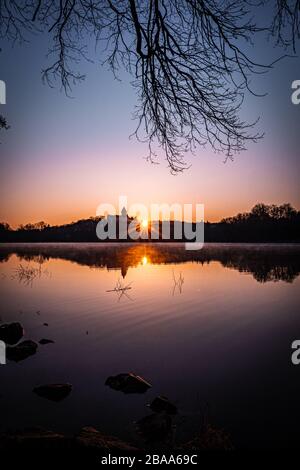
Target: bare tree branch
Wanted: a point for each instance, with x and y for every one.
(187, 58)
(286, 23)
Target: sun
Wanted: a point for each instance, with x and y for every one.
(144, 223)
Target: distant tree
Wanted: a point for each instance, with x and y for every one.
(4, 227)
(285, 211)
(35, 226)
(188, 58)
(260, 211)
(263, 213)
(22, 227)
(41, 225)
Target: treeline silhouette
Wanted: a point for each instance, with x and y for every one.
(264, 223)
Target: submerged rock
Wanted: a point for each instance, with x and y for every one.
(53, 392)
(85, 448)
(11, 333)
(90, 439)
(209, 438)
(155, 427)
(128, 383)
(21, 351)
(161, 404)
(32, 439)
(46, 341)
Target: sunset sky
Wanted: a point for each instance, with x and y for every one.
(64, 156)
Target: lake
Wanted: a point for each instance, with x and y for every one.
(211, 329)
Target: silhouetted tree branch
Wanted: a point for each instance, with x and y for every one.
(3, 123)
(286, 23)
(187, 57)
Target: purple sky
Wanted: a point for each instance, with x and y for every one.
(62, 157)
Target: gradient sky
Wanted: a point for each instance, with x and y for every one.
(64, 156)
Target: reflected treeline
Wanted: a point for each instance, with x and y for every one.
(264, 262)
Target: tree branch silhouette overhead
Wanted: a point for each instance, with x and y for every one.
(187, 59)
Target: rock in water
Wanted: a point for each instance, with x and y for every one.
(155, 427)
(21, 351)
(128, 383)
(11, 333)
(53, 392)
(161, 404)
(90, 439)
(46, 341)
(208, 439)
(32, 439)
(82, 450)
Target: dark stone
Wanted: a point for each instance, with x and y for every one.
(161, 404)
(209, 438)
(46, 341)
(45, 324)
(11, 333)
(21, 351)
(53, 392)
(92, 440)
(31, 439)
(155, 427)
(128, 383)
(84, 448)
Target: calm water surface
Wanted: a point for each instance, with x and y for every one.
(212, 330)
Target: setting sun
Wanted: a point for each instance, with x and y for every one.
(144, 223)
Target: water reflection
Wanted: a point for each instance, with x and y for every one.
(203, 333)
(27, 274)
(264, 262)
